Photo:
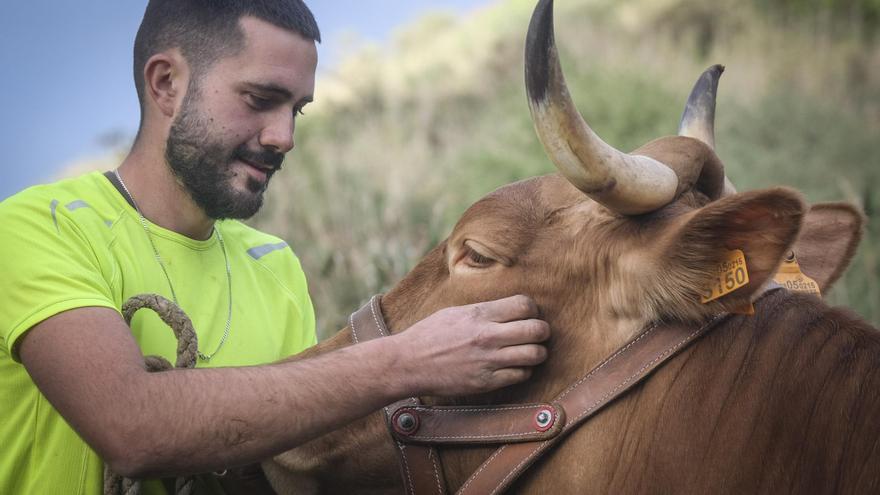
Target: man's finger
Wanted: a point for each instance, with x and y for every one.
(510, 376)
(521, 356)
(516, 333)
(508, 309)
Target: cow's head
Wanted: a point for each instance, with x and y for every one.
(611, 243)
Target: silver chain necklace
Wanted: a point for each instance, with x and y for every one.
(203, 357)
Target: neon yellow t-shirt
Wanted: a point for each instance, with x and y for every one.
(78, 243)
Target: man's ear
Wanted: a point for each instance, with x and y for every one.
(828, 241)
(165, 81)
(762, 224)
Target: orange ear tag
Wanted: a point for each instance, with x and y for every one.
(731, 274)
(792, 278)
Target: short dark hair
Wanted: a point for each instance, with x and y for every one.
(207, 30)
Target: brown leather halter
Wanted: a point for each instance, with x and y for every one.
(523, 431)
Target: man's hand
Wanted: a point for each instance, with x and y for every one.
(473, 349)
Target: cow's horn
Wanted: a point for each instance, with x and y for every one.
(698, 119)
(628, 184)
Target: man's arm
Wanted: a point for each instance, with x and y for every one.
(142, 424)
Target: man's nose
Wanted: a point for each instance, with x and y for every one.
(278, 133)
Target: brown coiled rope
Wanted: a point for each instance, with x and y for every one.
(187, 353)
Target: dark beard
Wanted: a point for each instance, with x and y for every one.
(203, 166)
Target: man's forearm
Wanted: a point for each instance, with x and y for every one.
(87, 364)
(204, 420)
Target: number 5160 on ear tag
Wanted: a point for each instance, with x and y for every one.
(731, 274)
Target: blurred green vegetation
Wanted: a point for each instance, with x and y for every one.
(841, 16)
(400, 142)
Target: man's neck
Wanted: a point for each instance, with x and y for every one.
(161, 198)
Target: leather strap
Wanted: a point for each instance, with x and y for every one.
(616, 375)
(479, 425)
(419, 464)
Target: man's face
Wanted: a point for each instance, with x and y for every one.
(236, 121)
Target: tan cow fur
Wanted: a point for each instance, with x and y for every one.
(780, 402)
(775, 402)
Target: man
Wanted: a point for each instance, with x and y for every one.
(220, 84)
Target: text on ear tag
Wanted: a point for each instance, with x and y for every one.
(792, 278)
(730, 275)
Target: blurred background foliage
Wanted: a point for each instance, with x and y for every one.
(402, 139)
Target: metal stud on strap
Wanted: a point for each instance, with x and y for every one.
(405, 422)
(545, 419)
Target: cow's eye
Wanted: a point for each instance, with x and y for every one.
(474, 258)
(478, 259)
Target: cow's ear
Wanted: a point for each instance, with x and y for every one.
(828, 241)
(699, 245)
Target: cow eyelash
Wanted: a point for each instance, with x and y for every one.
(478, 259)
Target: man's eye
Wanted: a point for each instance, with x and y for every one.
(258, 102)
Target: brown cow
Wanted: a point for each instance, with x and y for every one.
(784, 401)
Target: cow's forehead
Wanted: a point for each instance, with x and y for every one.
(511, 216)
(543, 194)
(536, 201)
(555, 191)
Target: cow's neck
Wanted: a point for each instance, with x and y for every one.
(582, 338)
(596, 337)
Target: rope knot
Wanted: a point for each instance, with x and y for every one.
(187, 354)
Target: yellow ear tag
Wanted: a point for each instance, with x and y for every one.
(731, 274)
(792, 278)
